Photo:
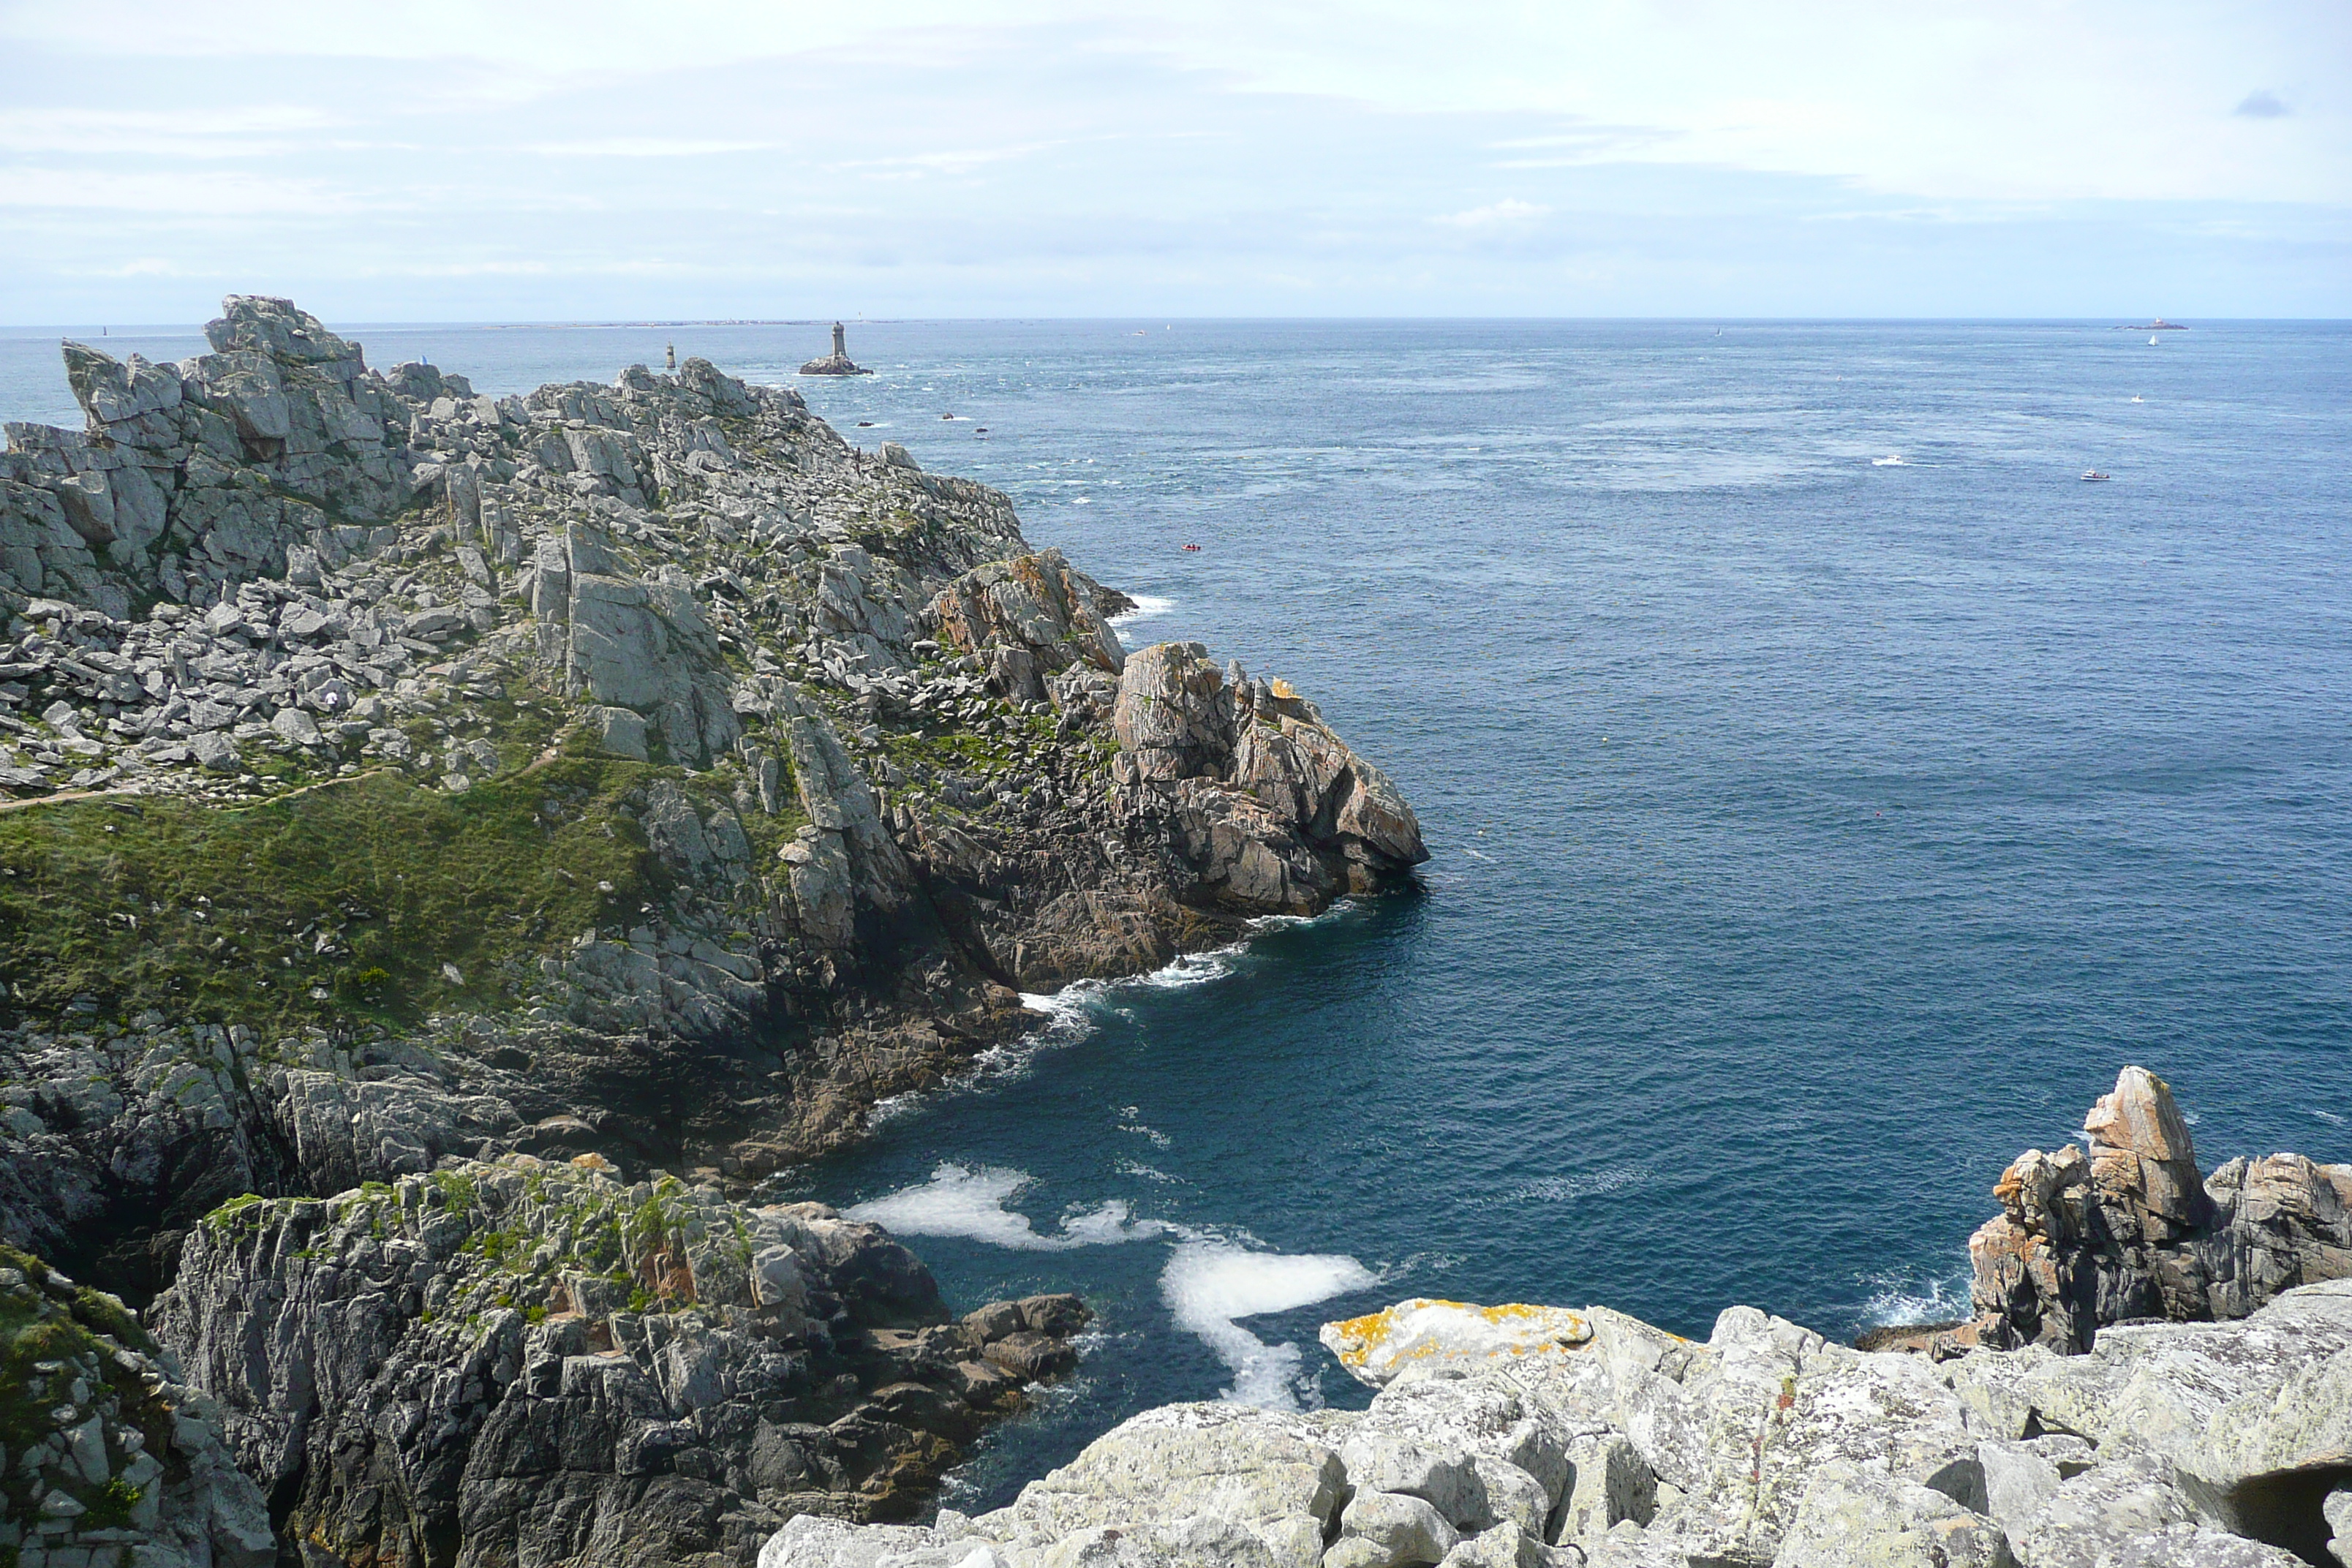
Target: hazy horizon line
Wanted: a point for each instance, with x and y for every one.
(23, 328)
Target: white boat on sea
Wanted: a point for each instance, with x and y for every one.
(2093, 475)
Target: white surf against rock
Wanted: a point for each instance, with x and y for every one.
(1210, 1285)
(1902, 1295)
(972, 1203)
(1148, 606)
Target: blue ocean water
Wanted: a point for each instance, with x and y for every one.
(1828, 792)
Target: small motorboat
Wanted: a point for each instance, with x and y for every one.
(2093, 475)
(865, 425)
(1191, 547)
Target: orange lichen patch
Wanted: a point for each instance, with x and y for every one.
(1282, 689)
(1381, 1343)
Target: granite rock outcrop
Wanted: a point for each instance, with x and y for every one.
(2130, 1230)
(1595, 1439)
(106, 1453)
(635, 768)
(530, 1361)
(398, 782)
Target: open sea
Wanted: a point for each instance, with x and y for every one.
(1829, 791)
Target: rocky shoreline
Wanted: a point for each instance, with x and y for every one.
(456, 849)
(411, 798)
(1536, 1437)
(2063, 1428)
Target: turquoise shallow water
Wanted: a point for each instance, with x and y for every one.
(1812, 831)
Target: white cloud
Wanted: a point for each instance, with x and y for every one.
(643, 147)
(1509, 210)
(1052, 155)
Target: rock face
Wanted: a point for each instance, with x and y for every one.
(2209, 1445)
(2130, 1231)
(527, 1361)
(109, 1456)
(401, 779)
(643, 771)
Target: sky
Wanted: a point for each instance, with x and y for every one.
(699, 158)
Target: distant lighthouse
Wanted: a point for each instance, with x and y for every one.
(839, 362)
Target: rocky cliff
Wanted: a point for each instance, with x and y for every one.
(452, 847)
(106, 1455)
(528, 1362)
(2131, 1230)
(1536, 1437)
(404, 774)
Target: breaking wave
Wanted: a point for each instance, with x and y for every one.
(1148, 606)
(1210, 1284)
(972, 1203)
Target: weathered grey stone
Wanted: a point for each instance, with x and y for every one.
(2022, 1478)
(96, 1385)
(1610, 1483)
(1853, 1517)
(215, 750)
(378, 1368)
(1403, 1531)
(1174, 717)
(1267, 1472)
(1507, 1546)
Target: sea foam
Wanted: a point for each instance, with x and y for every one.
(962, 1202)
(1148, 606)
(1210, 1284)
(1900, 1297)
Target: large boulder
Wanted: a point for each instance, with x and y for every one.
(1174, 718)
(1269, 804)
(1453, 1335)
(1036, 605)
(1276, 1475)
(1756, 1411)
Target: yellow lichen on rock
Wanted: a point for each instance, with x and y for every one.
(1379, 1346)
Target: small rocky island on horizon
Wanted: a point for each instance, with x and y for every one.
(457, 846)
(838, 361)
